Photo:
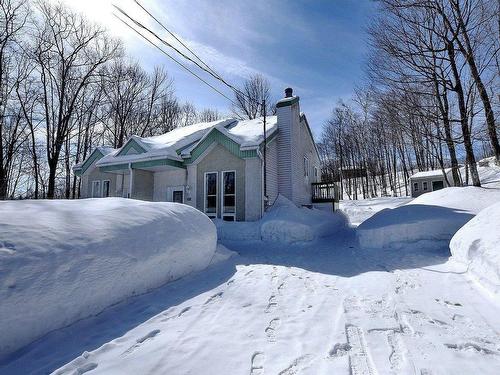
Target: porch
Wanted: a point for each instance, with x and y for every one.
(325, 192)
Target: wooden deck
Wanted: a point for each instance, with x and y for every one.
(323, 192)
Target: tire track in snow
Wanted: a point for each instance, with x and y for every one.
(359, 360)
(297, 365)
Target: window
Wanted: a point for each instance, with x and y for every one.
(228, 195)
(415, 186)
(424, 185)
(437, 185)
(316, 174)
(178, 196)
(211, 194)
(105, 188)
(96, 189)
(306, 166)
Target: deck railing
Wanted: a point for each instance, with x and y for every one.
(324, 192)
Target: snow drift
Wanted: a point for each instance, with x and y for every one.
(285, 222)
(61, 261)
(477, 244)
(432, 217)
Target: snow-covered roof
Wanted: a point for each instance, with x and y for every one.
(179, 142)
(432, 173)
(105, 150)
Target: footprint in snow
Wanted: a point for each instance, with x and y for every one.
(213, 298)
(86, 368)
(257, 363)
(471, 347)
(148, 336)
(271, 304)
(271, 329)
(183, 311)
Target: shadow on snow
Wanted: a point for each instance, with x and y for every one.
(338, 255)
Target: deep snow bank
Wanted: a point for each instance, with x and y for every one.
(359, 210)
(432, 217)
(61, 261)
(285, 222)
(477, 244)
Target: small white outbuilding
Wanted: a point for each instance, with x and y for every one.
(424, 182)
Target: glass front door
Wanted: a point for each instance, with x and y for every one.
(211, 194)
(228, 195)
(178, 196)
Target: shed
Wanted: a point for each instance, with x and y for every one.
(424, 182)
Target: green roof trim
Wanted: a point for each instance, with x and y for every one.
(286, 103)
(113, 167)
(95, 155)
(157, 163)
(131, 144)
(215, 136)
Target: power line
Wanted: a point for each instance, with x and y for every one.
(206, 68)
(176, 38)
(175, 60)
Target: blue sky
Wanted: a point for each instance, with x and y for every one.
(318, 48)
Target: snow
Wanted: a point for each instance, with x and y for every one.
(285, 222)
(432, 173)
(434, 216)
(247, 133)
(327, 306)
(61, 261)
(477, 244)
(360, 210)
(322, 307)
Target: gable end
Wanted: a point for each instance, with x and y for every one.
(132, 147)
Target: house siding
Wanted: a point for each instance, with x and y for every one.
(254, 204)
(284, 145)
(142, 184)
(429, 180)
(272, 171)
(305, 148)
(168, 181)
(219, 159)
(93, 174)
(295, 142)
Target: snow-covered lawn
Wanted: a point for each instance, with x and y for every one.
(323, 308)
(327, 306)
(360, 210)
(477, 245)
(286, 223)
(61, 261)
(432, 217)
(307, 294)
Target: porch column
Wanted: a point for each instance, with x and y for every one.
(131, 181)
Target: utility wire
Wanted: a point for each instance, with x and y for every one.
(174, 59)
(176, 38)
(206, 68)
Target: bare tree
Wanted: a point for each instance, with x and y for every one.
(254, 91)
(208, 115)
(187, 114)
(13, 17)
(69, 53)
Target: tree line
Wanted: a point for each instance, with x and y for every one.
(430, 99)
(67, 86)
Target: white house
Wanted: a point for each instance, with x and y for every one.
(217, 167)
(423, 182)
